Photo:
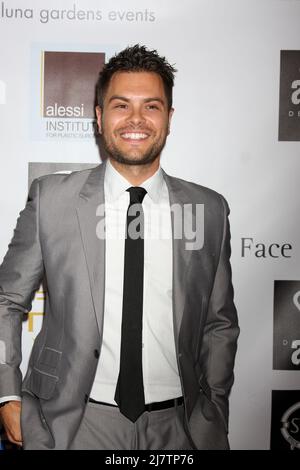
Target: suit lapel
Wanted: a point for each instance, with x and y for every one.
(181, 256)
(91, 197)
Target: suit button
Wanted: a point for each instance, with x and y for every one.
(86, 398)
(96, 353)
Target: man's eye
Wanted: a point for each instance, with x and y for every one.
(152, 106)
(122, 106)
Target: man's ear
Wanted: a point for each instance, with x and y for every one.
(99, 116)
(170, 119)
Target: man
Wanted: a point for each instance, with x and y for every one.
(139, 336)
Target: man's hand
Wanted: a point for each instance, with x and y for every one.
(10, 415)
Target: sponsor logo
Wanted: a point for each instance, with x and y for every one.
(289, 105)
(64, 111)
(65, 106)
(250, 248)
(286, 343)
(285, 423)
(291, 426)
(68, 82)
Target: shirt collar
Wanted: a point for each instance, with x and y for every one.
(116, 184)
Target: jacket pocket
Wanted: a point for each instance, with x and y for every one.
(49, 360)
(42, 384)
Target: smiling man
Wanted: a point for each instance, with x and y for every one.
(137, 140)
(139, 339)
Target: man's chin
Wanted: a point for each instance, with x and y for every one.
(134, 160)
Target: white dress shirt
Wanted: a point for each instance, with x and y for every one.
(160, 370)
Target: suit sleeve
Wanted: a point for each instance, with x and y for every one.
(221, 329)
(20, 276)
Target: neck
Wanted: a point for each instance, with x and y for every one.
(136, 174)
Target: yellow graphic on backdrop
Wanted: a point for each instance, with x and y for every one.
(40, 295)
(31, 316)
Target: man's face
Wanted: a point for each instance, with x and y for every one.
(134, 120)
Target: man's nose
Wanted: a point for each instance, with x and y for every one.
(137, 117)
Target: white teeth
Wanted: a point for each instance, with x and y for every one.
(134, 136)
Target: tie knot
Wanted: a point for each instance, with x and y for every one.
(137, 194)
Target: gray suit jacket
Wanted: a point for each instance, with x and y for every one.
(56, 237)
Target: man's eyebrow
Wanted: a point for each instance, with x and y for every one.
(148, 100)
(118, 97)
(127, 100)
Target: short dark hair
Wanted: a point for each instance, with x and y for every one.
(136, 59)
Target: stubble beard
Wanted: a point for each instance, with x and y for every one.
(140, 158)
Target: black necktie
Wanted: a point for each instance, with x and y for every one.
(130, 389)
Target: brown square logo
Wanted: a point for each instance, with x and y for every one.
(68, 83)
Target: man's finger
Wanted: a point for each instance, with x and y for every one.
(14, 441)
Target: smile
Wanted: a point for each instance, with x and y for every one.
(134, 136)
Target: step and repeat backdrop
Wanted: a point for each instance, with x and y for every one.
(236, 129)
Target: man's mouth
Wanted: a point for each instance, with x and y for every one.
(134, 136)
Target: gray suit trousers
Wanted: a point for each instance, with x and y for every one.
(105, 428)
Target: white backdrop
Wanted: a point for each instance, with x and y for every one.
(224, 135)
